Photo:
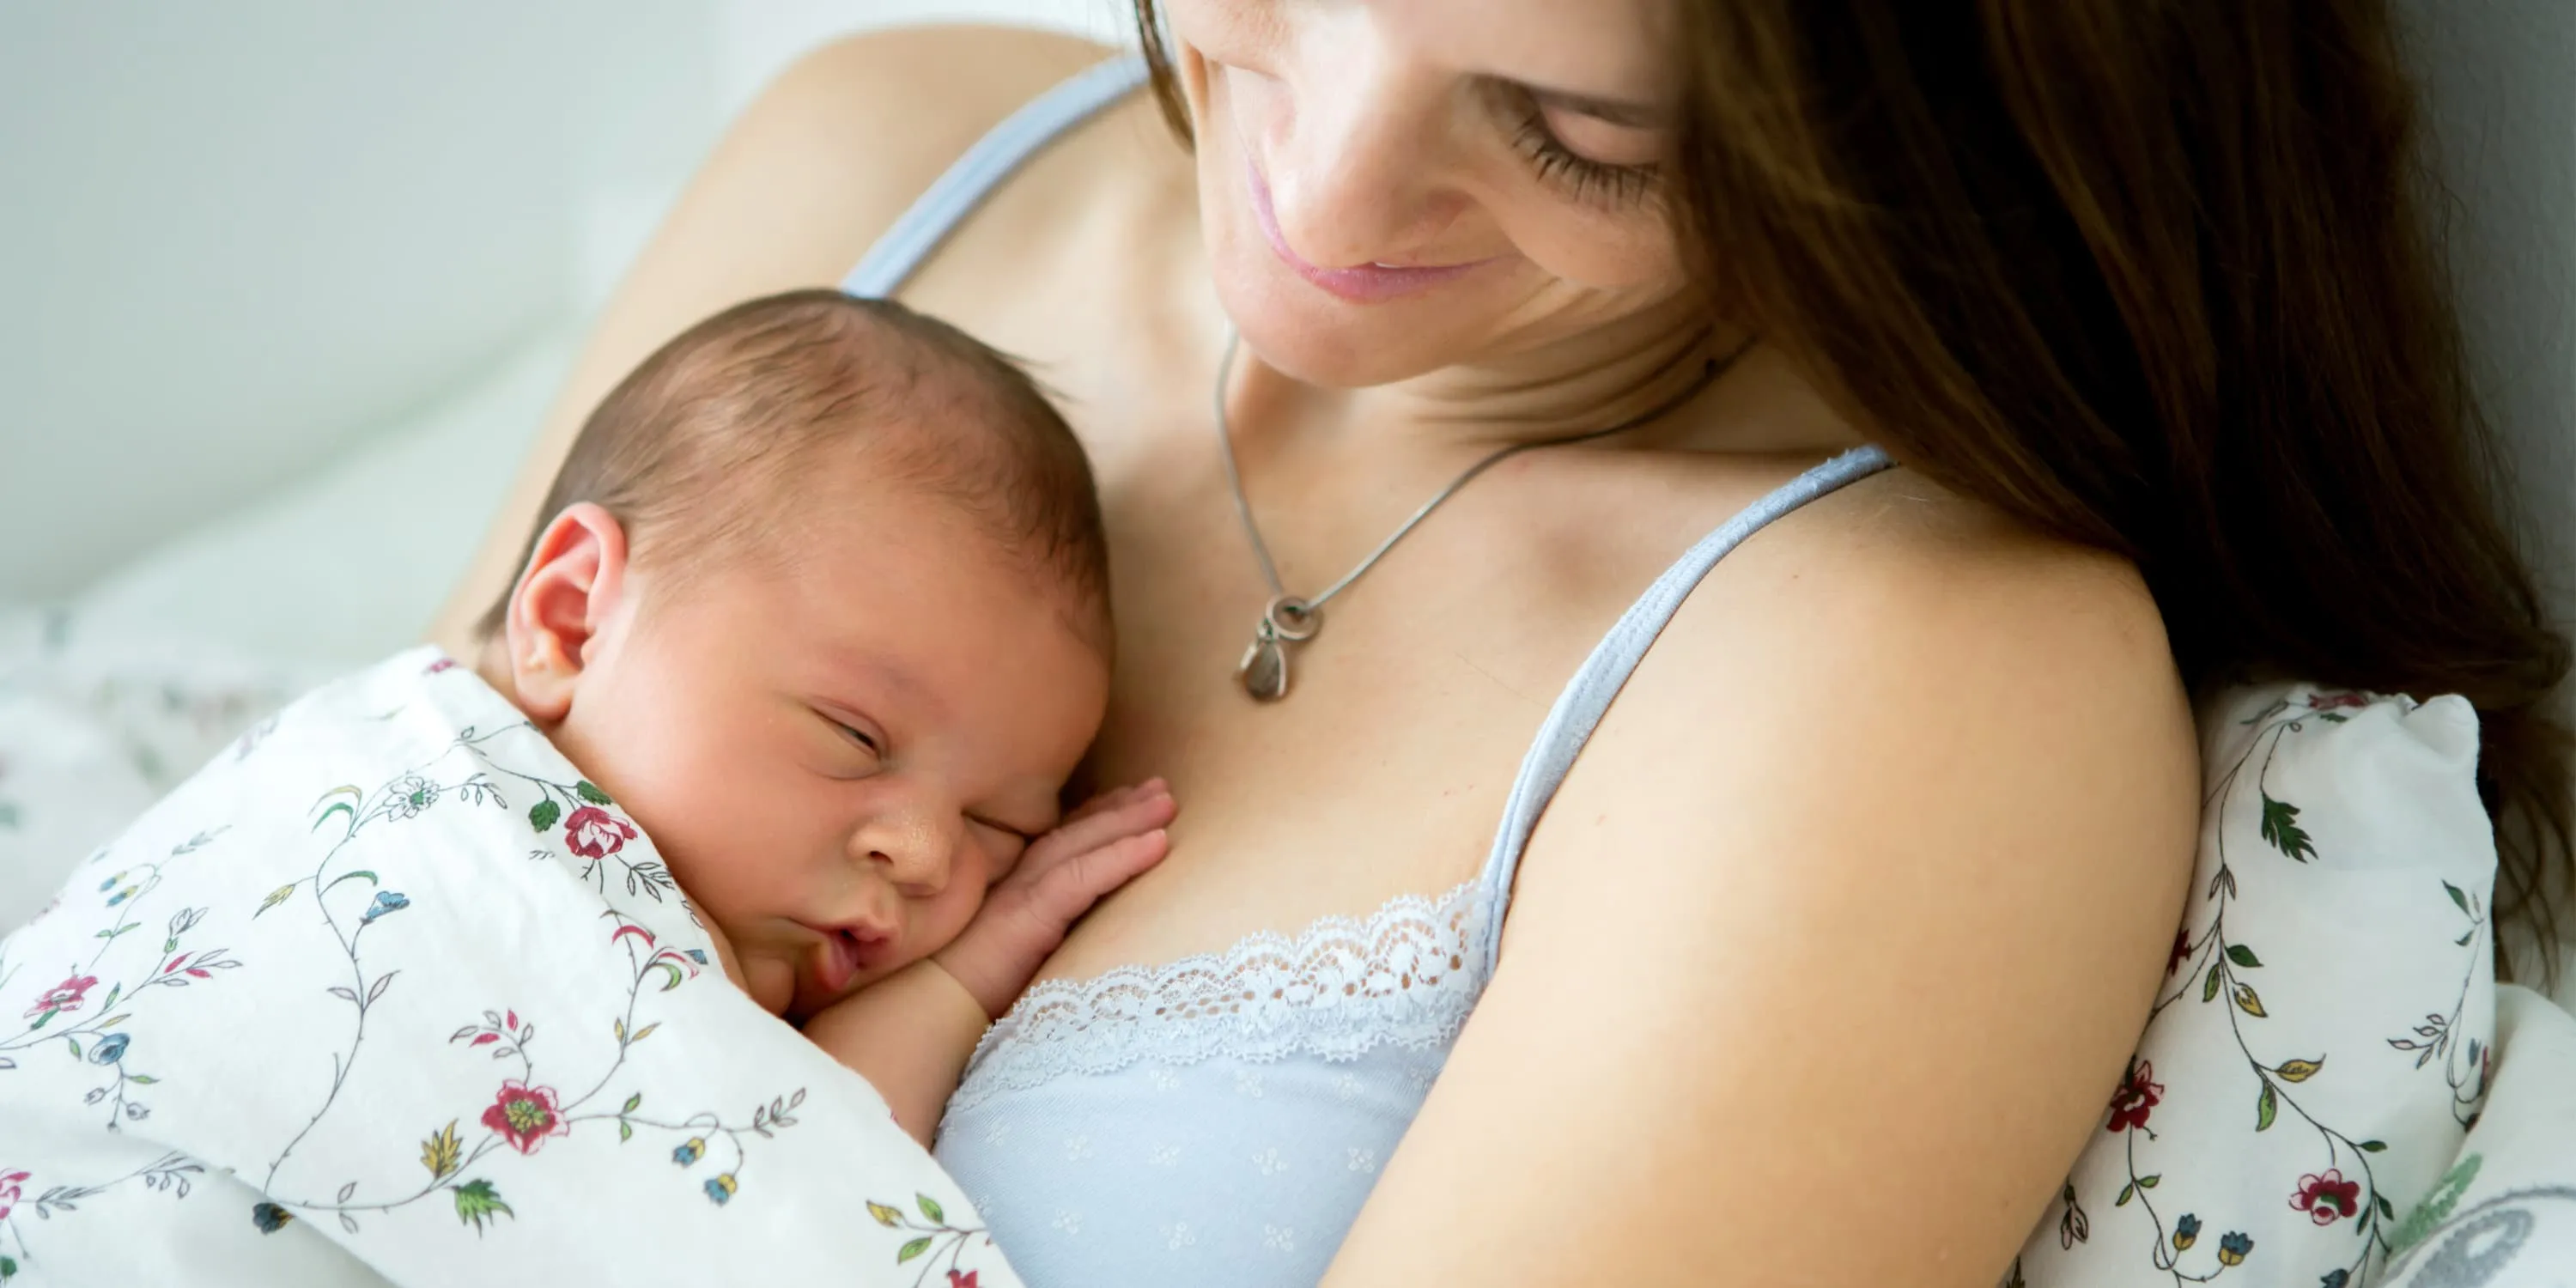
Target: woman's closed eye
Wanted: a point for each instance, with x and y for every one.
(1576, 165)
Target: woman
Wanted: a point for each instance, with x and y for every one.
(1862, 885)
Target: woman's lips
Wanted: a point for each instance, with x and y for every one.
(1359, 284)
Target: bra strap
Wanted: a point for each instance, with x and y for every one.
(974, 176)
(1588, 695)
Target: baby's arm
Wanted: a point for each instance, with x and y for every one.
(910, 1034)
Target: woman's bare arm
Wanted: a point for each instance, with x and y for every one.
(1821, 980)
(809, 176)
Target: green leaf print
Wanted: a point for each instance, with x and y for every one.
(913, 1249)
(477, 1202)
(2265, 1108)
(589, 791)
(2243, 956)
(930, 1208)
(2281, 828)
(543, 814)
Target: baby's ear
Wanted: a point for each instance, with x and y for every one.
(573, 581)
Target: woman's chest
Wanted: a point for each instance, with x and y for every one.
(1384, 768)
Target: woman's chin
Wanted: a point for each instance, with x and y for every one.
(1312, 337)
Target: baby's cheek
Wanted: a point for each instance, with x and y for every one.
(948, 916)
(770, 981)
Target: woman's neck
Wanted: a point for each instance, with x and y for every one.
(1636, 367)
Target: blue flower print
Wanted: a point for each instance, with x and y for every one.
(688, 1153)
(269, 1217)
(2186, 1232)
(720, 1189)
(110, 1049)
(2335, 1279)
(386, 901)
(2232, 1247)
(699, 955)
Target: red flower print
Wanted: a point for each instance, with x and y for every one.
(442, 664)
(2330, 701)
(594, 833)
(9, 1183)
(2139, 1093)
(966, 1280)
(525, 1116)
(2181, 952)
(2327, 1198)
(65, 996)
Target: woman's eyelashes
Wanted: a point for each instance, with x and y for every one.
(1586, 180)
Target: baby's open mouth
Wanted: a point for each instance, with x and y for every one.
(848, 950)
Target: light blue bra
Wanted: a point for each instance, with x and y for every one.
(1219, 1120)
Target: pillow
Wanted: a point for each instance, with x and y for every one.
(2504, 1216)
(2323, 1034)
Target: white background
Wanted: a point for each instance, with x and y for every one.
(282, 244)
(239, 239)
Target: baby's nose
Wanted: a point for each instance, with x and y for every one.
(912, 852)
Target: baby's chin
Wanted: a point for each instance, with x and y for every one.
(806, 997)
(774, 984)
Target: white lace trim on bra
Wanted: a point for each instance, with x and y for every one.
(1405, 976)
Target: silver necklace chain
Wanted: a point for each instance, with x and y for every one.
(1291, 619)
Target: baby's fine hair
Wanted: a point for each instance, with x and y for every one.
(699, 451)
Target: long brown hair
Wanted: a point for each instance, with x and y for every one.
(2151, 277)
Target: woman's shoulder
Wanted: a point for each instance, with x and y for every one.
(889, 110)
(1909, 663)
(1898, 572)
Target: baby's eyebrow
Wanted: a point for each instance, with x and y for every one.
(873, 672)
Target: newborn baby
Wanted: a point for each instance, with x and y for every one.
(786, 693)
(822, 604)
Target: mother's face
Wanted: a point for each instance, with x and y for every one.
(1393, 186)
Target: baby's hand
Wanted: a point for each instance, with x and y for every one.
(1095, 850)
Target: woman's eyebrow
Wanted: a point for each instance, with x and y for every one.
(1616, 111)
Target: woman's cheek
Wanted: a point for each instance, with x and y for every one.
(1599, 250)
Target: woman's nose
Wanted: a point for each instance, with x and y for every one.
(909, 848)
(1352, 149)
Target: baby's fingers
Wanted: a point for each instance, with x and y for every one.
(1137, 809)
(1113, 797)
(1067, 890)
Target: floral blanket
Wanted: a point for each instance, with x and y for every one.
(286, 1030)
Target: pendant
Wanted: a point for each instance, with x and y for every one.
(1264, 669)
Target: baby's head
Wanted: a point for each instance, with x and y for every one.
(821, 599)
